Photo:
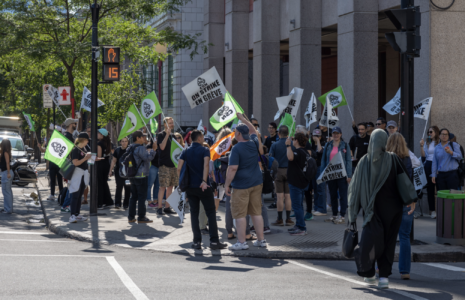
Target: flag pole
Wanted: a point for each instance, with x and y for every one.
(348, 105)
(142, 120)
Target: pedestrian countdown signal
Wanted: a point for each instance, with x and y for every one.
(111, 67)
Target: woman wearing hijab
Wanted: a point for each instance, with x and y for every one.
(103, 168)
(374, 189)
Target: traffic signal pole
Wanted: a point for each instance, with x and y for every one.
(95, 8)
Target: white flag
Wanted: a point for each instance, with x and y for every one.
(336, 169)
(53, 93)
(422, 109)
(310, 113)
(200, 127)
(177, 201)
(86, 101)
(289, 104)
(419, 178)
(329, 121)
(393, 106)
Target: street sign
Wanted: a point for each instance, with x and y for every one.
(48, 102)
(65, 95)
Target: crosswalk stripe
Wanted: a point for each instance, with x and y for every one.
(446, 267)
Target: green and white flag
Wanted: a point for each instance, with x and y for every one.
(336, 97)
(175, 152)
(29, 121)
(153, 126)
(58, 148)
(132, 122)
(226, 113)
(288, 120)
(150, 107)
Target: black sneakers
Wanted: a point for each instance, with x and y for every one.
(197, 246)
(144, 220)
(169, 211)
(218, 246)
(160, 212)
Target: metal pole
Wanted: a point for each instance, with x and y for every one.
(54, 121)
(94, 90)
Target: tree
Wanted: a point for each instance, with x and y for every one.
(59, 32)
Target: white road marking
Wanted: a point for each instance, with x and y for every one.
(403, 293)
(446, 267)
(22, 232)
(127, 281)
(49, 255)
(48, 241)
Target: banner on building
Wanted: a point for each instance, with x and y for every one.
(177, 201)
(86, 101)
(336, 169)
(289, 104)
(422, 109)
(310, 113)
(204, 88)
(393, 106)
(419, 178)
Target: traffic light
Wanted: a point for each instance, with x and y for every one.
(111, 67)
(408, 20)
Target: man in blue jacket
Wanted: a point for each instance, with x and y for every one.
(143, 157)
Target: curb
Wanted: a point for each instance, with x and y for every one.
(454, 256)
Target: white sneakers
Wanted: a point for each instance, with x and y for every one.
(433, 215)
(245, 246)
(51, 197)
(317, 213)
(74, 219)
(239, 246)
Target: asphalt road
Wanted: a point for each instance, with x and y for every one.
(36, 264)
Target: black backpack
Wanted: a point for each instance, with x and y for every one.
(128, 167)
(461, 168)
(267, 179)
(310, 167)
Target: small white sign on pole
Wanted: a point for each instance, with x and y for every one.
(65, 95)
(48, 102)
(419, 178)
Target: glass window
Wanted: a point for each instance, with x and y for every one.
(16, 144)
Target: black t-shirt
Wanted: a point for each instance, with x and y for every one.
(69, 136)
(118, 154)
(164, 159)
(104, 148)
(78, 154)
(295, 168)
(269, 141)
(361, 144)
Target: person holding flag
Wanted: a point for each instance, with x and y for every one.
(80, 178)
(167, 174)
(338, 187)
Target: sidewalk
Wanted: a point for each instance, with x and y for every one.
(166, 234)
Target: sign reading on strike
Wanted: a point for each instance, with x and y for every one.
(204, 88)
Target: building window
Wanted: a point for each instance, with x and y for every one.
(170, 81)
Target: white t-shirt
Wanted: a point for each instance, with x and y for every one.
(429, 150)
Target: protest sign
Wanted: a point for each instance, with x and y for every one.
(422, 109)
(289, 104)
(393, 106)
(419, 178)
(204, 88)
(221, 147)
(177, 201)
(310, 113)
(86, 101)
(336, 169)
(329, 121)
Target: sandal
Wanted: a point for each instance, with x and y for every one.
(251, 238)
(231, 237)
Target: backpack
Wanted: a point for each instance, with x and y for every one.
(221, 166)
(128, 167)
(461, 168)
(267, 178)
(310, 167)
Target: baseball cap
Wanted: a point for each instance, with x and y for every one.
(244, 130)
(337, 129)
(103, 131)
(317, 132)
(70, 121)
(391, 124)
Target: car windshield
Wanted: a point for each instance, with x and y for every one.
(16, 144)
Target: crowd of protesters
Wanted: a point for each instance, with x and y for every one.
(238, 177)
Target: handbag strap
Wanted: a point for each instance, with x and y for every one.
(265, 167)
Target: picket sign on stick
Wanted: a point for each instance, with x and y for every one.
(143, 121)
(348, 106)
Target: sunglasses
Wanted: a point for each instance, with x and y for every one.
(179, 138)
(379, 124)
(430, 131)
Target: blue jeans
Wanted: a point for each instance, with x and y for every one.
(341, 186)
(67, 200)
(319, 195)
(7, 191)
(297, 198)
(153, 181)
(138, 194)
(404, 238)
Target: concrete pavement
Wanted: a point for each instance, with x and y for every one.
(165, 234)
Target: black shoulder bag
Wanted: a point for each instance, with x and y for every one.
(267, 179)
(350, 240)
(461, 168)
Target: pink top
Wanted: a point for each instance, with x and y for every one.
(333, 153)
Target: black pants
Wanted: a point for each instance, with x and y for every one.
(430, 187)
(75, 205)
(138, 194)
(54, 177)
(196, 196)
(309, 198)
(120, 185)
(103, 190)
(447, 180)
